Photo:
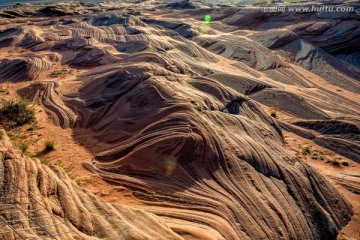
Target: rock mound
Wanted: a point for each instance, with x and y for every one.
(92, 56)
(181, 156)
(42, 201)
(241, 49)
(23, 68)
(184, 4)
(338, 135)
(175, 113)
(20, 37)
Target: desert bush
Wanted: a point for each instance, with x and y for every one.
(16, 113)
(334, 161)
(24, 147)
(49, 146)
(273, 114)
(315, 155)
(58, 73)
(306, 150)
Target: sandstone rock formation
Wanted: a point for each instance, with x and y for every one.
(175, 107)
(23, 68)
(43, 202)
(219, 161)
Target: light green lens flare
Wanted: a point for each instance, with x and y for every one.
(207, 18)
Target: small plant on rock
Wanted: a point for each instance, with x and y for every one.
(273, 114)
(16, 113)
(334, 161)
(315, 155)
(306, 150)
(24, 147)
(49, 146)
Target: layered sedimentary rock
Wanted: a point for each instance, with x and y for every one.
(222, 166)
(175, 106)
(20, 36)
(324, 45)
(41, 201)
(349, 181)
(23, 68)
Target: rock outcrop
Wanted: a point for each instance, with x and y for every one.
(39, 201)
(174, 104)
(23, 68)
(224, 158)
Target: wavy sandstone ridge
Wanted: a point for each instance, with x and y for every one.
(23, 69)
(173, 106)
(39, 201)
(217, 160)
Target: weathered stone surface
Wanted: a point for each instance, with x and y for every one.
(175, 106)
(54, 198)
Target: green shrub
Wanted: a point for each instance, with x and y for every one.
(334, 161)
(49, 146)
(58, 73)
(273, 114)
(16, 113)
(306, 150)
(315, 155)
(24, 147)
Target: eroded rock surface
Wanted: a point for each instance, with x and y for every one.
(46, 203)
(175, 106)
(23, 68)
